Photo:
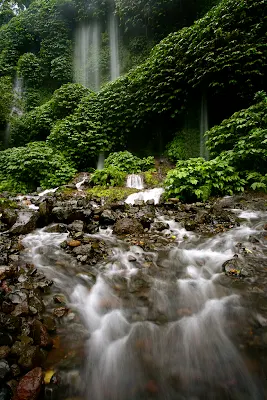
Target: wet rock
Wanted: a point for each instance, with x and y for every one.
(128, 226)
(5, 339)
(60, 299)
(5, 272)
(160, 226)
(5, 392)
(73, 243)
(26, 223)
(4, 369)
(131, 258)
(10, 322)
(15, 370)
(30, 385)
(83, 250)
(4, 351)
(56, 228)
(60, 312)
(76, 226)
(50, 323)
(233, 266)
(69, 213)
(40, 335)
(17, 297)
(30, 358)
(9, 216)
(190, 225)
(21, 309)
(107, 217)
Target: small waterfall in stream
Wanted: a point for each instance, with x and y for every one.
(203, 126)
(135, 181)
(145, 195)
(114, 46)
(161, 326)
(87, 55)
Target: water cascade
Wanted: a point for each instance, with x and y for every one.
(159, 327)
(16, 109)
(114, 47)
(135, 181)
(100, 161)
(87, 55)
(203, 126)
(145, 195)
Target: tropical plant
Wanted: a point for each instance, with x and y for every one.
(110, 176)
(127, 162)
(36, 164)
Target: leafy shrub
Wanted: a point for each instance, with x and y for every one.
(199, 179)
(6, 97)
(80, 136)
(244, 123)
(30, 69)
(109, 176)
(184, 145)
(36, 164)
(127, 162)
(37, 124)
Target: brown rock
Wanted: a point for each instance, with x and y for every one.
(21, 309)
(74, 243)
(60, 311)
(40, 334)
(128, 226)
(4, 351)
(30, 385)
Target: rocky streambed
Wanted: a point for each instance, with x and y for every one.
(87, 288)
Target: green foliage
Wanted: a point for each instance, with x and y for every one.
(197, 179)
(109, 176)
(30, 69)
(152, 179)
(80, 136)
(185, 144)
(6, 97)
(37, 164)
(127, 162)
(37, 124)
(110, 194)
(238, 127)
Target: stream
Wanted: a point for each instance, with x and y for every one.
(159, 325)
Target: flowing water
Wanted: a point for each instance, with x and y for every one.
(87, 55)
(204, 126)
(135, 181)
(114, 46)
(145, 195)
(161, 325)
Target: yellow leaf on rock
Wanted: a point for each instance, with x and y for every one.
(48, 375)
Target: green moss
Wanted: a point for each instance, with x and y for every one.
(6, 203)
(152, 178)
(110, 193)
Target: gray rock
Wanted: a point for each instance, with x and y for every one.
(160, 226)
(4, 369)
(76, 226)
(107, 217)
(26, 222)
(83, 250)
(128, 226)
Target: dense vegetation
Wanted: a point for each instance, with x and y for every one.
(222, 56)
(239, 148)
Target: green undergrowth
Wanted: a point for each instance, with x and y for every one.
(7, 203)
(110, 194)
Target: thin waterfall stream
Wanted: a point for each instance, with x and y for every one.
(160, 324)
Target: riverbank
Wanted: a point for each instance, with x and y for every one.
(36, 314)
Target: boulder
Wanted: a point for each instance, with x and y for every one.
(128, 226)
(26, 222)
(76, 226)
(40, 335)
(107, 217)
(30, 385)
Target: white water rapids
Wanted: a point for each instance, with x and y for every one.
(162, 326)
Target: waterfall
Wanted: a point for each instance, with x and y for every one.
(135, 181)
(145, 195)
(114, 47)
(100, 162)
(87, 55)
(204, 126)
(16, 109)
